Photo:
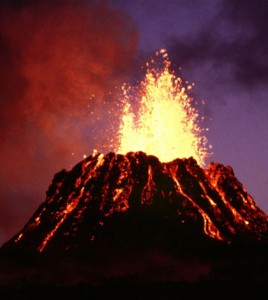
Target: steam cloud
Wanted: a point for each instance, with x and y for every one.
(54, 55)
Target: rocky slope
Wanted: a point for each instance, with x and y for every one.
(142, 198)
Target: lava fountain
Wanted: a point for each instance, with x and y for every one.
(165, 124)
(154, 181)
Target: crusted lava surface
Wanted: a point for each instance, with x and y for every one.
(130, 214)
(102, 188)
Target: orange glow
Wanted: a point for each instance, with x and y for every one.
(149, 188)
(63, 215)
(166, 124)
(214, 182)
(208, 226)
(211, 198)
(19, 237)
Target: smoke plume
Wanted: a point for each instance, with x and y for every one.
(54, 55)
(233, 43)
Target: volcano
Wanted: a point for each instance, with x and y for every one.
(132, 215)
(127, 222)
(109, 190)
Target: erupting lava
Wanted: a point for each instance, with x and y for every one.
(166, 124)
(155, 182)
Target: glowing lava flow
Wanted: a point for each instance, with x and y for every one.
(166, 124)
(209, 228)
(97, 190)
(81, 204)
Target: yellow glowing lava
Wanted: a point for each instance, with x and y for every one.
(166, 123)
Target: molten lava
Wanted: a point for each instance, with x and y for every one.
(103, 189)
(139, 189)
(166, 124)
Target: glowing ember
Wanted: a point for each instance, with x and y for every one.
(166, 124)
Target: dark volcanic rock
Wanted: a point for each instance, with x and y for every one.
(137, 194)
(131, 214)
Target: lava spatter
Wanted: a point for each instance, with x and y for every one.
(165, 122)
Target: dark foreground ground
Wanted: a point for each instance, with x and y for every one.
(237, 275)
(164, 265)
(128, 289)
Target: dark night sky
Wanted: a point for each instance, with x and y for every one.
(56, 54)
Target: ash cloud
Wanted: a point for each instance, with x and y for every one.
(234, 43)
(54, 55)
